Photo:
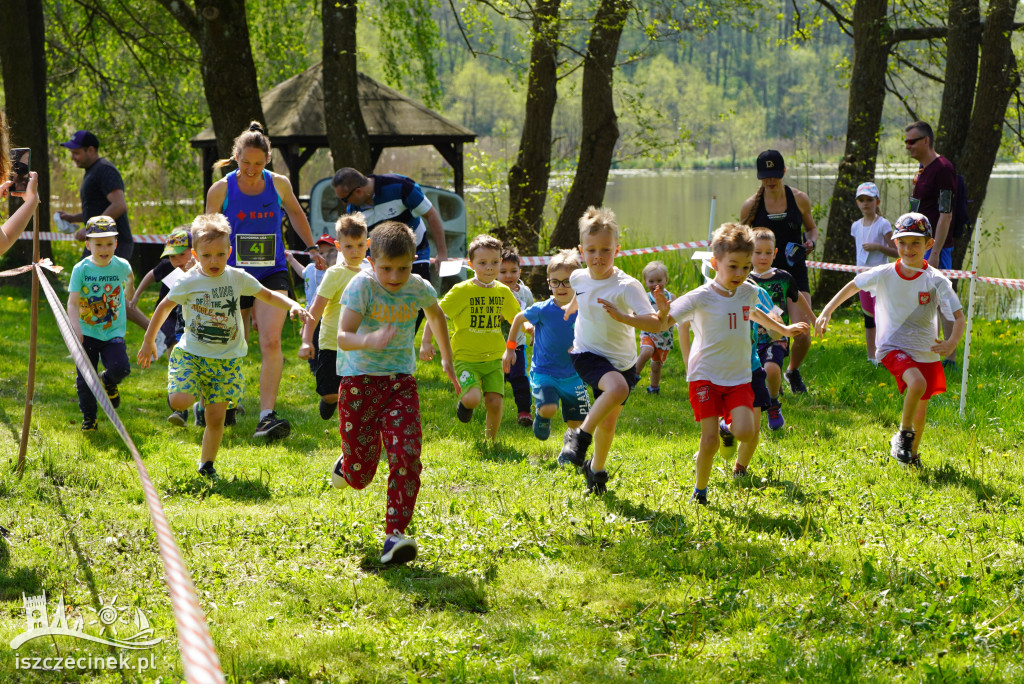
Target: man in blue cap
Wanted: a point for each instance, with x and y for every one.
(102, 190)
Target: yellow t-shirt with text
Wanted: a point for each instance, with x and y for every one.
(331, 287)
(476, 314)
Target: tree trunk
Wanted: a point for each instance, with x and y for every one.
(528, 178)
(962, 43)
(998, 80)
(220, 29)
(23, 64)
(600, 130)
(346, 129)
(871, 46)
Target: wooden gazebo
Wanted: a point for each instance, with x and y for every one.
(294, 110)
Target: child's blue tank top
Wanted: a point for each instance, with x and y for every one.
(258, 246)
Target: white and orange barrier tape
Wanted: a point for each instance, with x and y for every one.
(201, 664)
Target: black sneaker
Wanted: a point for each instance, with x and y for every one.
(88, 425)
(178, 418)
(112, 394)
(574, 450)
(206, 469)
(200, 414)
(327, 410)
(902, 447)
(541, 427)
(654, 390)
(699, 498)
(464, 414)
(271, 427)
(230, 418)
(597, 481)
(796, 383)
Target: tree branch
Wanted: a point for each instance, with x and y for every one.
(184, 15)
(913, 67)
(843, 22)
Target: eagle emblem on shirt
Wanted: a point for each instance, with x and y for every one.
(923, 298)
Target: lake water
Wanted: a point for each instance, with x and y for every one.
(659, 208)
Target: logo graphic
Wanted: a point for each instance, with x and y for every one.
(38, 624)
(267, 204)
(746, 314)
(923, 298)
(769, 164)
(703, 393)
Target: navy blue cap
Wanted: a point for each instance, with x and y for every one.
(82, 139)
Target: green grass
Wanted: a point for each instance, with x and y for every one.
(831, 564)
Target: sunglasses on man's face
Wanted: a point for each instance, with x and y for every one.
(911, 141)
(558, 283)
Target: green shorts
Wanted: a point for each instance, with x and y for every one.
(216, 380)
(487, 375)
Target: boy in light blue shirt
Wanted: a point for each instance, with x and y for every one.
(378, 398)
(101, 283)
(552, 376)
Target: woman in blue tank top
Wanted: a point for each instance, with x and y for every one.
(252, 199)
(786, 212)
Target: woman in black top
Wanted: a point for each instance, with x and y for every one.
(786, 212)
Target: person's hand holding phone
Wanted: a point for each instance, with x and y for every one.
(21, 165)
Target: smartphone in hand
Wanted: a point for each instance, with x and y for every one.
(21, 164)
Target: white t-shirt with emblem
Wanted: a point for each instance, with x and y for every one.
(596, 331)
(720, 352)
(213, 315)
(906, 306)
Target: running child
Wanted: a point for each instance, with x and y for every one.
(378, 324)
(654, 347)
(508, 274)
(476, 308)
(552, 377)
(908, 296)
(101, 283)
(351, 242)
(175, 257)
(719, 365)
(207, 362)
(782, 288)
(873, 236)
(610, 305)
(312, 277)
(742, 451)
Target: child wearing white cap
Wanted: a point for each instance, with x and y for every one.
(873, 236)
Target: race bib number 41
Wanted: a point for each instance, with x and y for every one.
(255, 250)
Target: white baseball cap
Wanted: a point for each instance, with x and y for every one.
(868, 189)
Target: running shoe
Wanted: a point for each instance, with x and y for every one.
(271, 427)
(525, 419)
(901, 447)
(398, 549)
(178, 418)
(597, 481)
(796, 382)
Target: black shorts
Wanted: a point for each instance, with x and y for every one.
(762, 399)
(592, 367)
(799, 272)
(275, 281)
(327, 379)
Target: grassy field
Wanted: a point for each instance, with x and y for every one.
(831, 564)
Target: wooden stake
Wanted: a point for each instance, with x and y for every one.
(33, 328)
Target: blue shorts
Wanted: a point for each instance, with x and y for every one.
(571, 390)
(775, 352)
(945, 258)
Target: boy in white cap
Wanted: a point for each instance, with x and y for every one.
(873, 236)
(100, 285)
(908, 295)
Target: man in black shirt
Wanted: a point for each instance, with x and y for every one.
(102, 194)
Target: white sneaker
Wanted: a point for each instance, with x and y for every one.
(337, 479)
(398, 549)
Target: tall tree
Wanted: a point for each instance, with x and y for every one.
(600, 129)
(23, 64)
(346, 129)
(528, 177)
(962, 45)
(220, 29)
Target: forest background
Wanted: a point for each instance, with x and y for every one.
(693, 85)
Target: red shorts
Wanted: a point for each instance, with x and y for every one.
(710, 400)
(659, 354)
(897, 363)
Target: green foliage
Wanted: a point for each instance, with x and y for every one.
(408, 41)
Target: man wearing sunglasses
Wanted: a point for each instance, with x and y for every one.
(933, 194)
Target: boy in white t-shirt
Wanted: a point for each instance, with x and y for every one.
(207, 362)
(609, 305)
(508, 273)
(351, 242)
(719, 366)
(908, 295)
(873, 237)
